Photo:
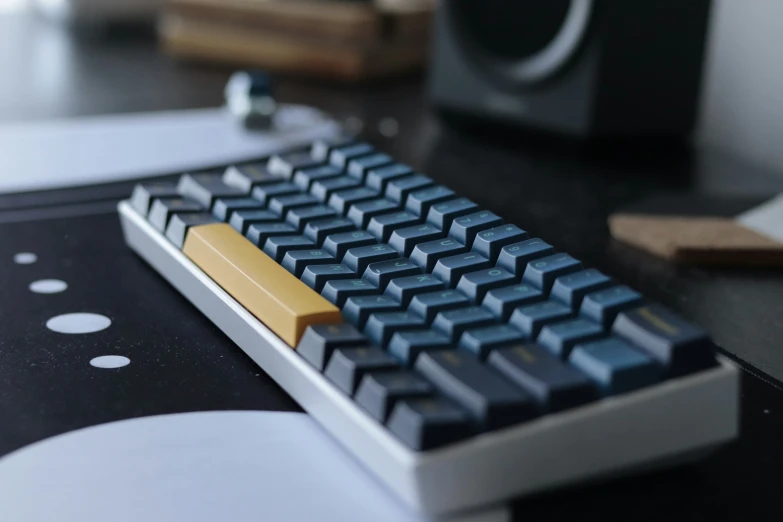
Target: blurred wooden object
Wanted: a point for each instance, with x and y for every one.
(349, 41)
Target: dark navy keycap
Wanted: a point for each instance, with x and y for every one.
(242, 219)
(604, 305)
(383, 226)
(258, 233)
(398, 189)
(339, 244)
(223, 209)
(555, 385)
(451, 269)
(205, 187)
(560, 337)
(378, 392)
(359, 258)
(428, 305)
(347, 366)
(337, 291)
(453, 323)
(282, 204)
(502, 301)
(264, 193)
(488, 243)
(296, 261)
(300, 217)
(404, 288)
(481, 341)
(426, 255)
(420, 201)
(428, 423)
(358, 167)
(676, 344)
(321, 148)
(306, 177)
(543, 272)
(465, 228)
(529, 319)
(276, 247)
(403, 240)
(380, 327)
(316, 276)
(340, 156)
(406, 346)
(323, 189)
(342, 200)
(443, 214)
(179, 224)
(145, 193)
(162, 209)
(361, 213)
(248, 175)
(286, 165)
(382, 272)
(615, 366)
(318, 230)
(571, 288)
(516, 256)
(318, 342)
(378, 178)
(492, 402)
(357, 309)
(475, 285)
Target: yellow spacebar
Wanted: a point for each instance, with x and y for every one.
(267, 290)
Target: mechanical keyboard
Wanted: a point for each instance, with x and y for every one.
(459, 359)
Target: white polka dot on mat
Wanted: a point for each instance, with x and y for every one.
(110, 361)
(25, 258)
(80, 323)
(48, 286)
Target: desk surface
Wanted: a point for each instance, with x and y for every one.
(562, 196)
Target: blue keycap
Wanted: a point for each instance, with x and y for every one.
(428, 305)
(489, 242)
(276, 247)
(205, 187)
(403, 240)
(295, 261)
(316, 276)
(615, 366)
(560, 337)
(280, 205)
(323, 189)
(516, 256)
(450, 269)
(429, 422)
(475, 285)
(179, 224)
(406, 346)
(145, 194)
(453, 323)
(248, 175)
(299, 217)
(677, 345)
(258, 233)
(347, 366)
(543, 272)
(571, 288)
(443, 214)
(224, 208)
(378, 178)
(361, 213)
(481, 341)
(242, 219)
(285, 165)
(529, 319)
(420, 201)
(342, 200)
(337, 291)
(426, 255)
(305, 178)
(381, 326)
(340, 156)
(502, 301)
(358, 167)
(604, 305)
(322, 147)
(555, 385)
(357, 309)
(320, 341)
(317, 231)
(339, 244)
(381, 273)
(465, 228)
(404, 288)
(359, 258)
(379, 391)
(398, 189)
(382, 227)
(264, 193)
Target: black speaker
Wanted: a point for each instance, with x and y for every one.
(585, 68)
